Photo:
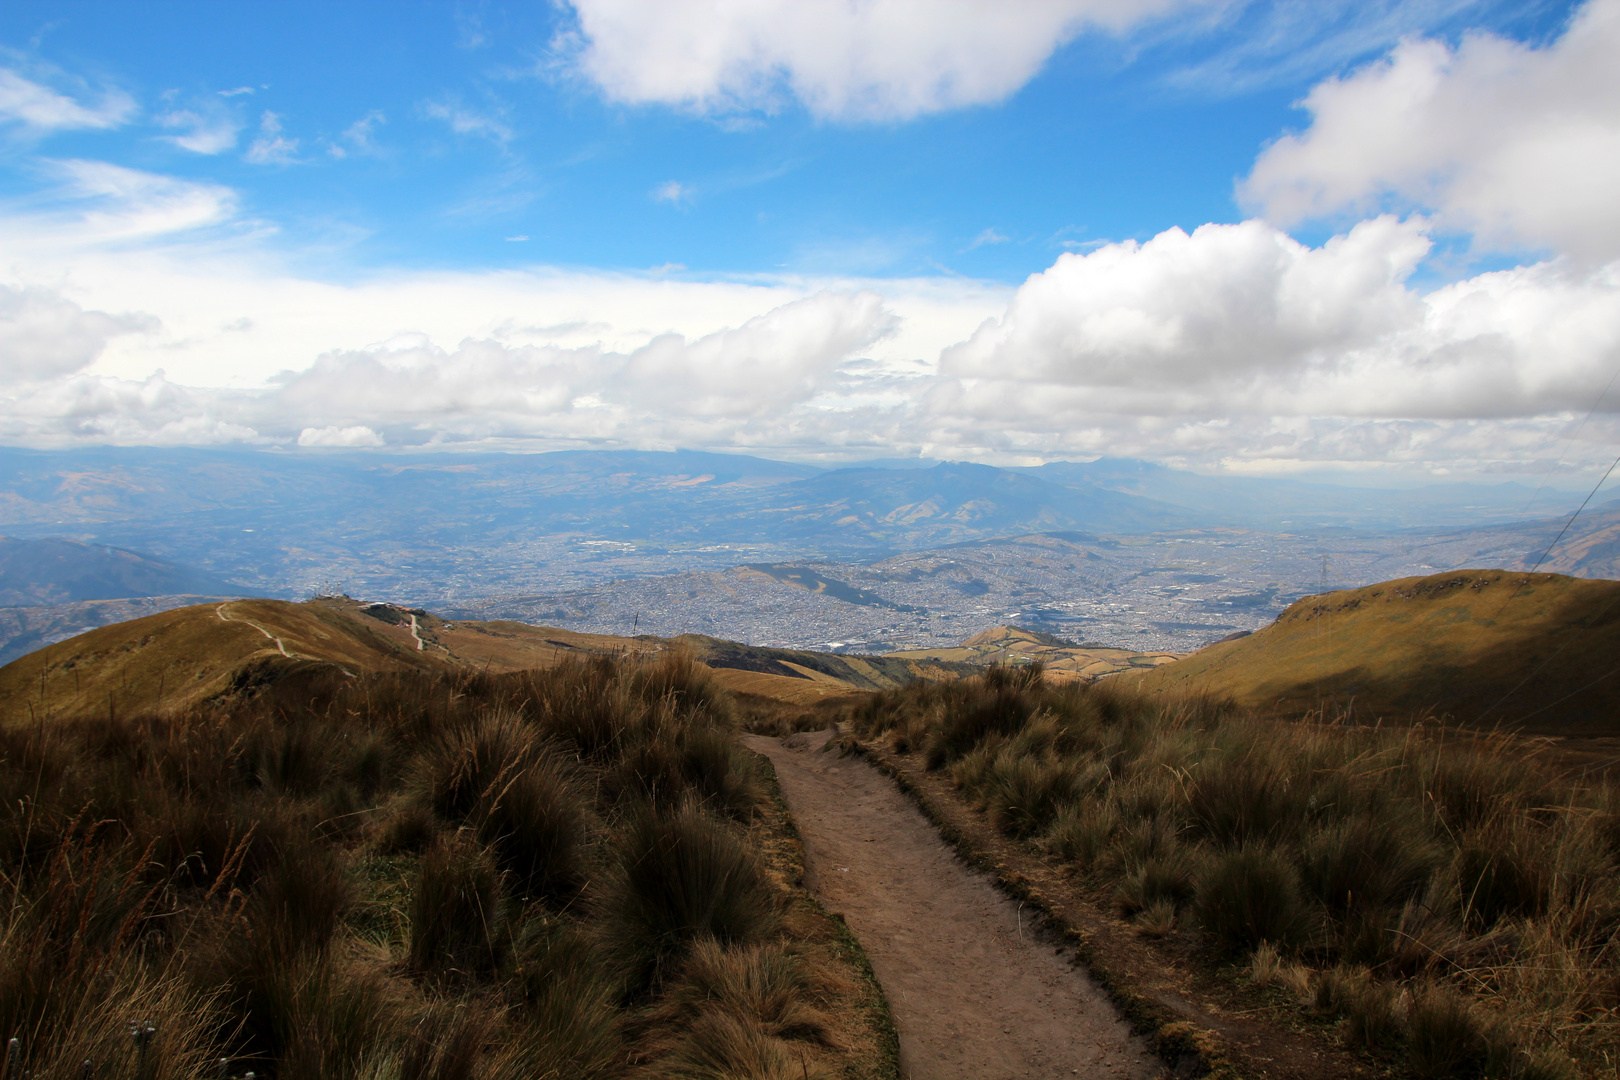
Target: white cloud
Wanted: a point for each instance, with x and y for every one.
(100, 203)
(466, 121)
(672, 192)
(1235, 345)
(877, 60)
(1242, 320)
(358, 136)
(359, 435)
(209, 132)
(43, 335)
(988, 236)
(38, 107)
(271, 147)
(1518, 145)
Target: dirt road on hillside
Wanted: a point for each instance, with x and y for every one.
(974, 995)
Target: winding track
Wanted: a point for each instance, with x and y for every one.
(974, 995)
(223, 617)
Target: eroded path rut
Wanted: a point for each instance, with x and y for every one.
(973, 994)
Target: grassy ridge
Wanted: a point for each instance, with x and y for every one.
(1535, 652)
(1453, 900)
(546, 874)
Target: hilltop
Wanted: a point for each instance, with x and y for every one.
(1536, 652)
(1016, 645)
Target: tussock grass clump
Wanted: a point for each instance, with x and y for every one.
(760, 984)
(682, 876)
(1429, 861)
(1251, 895)
(458, 925)
(449, 877)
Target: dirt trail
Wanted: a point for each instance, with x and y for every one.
(224, 616)
(974, 995)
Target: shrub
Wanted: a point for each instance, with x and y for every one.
(1366, 861)
(999, 702)
(1165, 878)
(1372, 1014)
(460, 769)
(310, 1010)
(1251, 895)
(300, 900)
(569, 1022)
(1503, 870)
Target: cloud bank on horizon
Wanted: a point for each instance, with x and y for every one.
(1421, 272)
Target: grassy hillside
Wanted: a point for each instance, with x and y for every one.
(1452, 904)
(1538, 652)
(1015, 645)
(575, 872)
(176, 659)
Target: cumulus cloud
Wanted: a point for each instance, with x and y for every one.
(1227, 302)
(37, 107)
(1515, 144)
(45, 336)
(878, 60)
(483, 388)
(1234, 344)
(359, 137)
(1243, 319)
(358, 435)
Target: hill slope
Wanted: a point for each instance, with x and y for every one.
(189, 654)
(176, 658)
(1539, 652)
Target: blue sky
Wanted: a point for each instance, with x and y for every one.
(817, 229)
(1113, 138)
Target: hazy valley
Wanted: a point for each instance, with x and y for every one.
(869, 559)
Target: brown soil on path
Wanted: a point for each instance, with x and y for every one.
(973, 993)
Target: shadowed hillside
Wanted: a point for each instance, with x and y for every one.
(1539, 652)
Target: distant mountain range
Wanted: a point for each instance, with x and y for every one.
(55, 571)
(409, 523)
(561, 534)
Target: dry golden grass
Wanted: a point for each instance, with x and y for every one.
(1536, 652)
(1453, 898)
(424, 873)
